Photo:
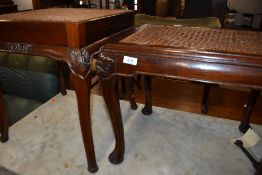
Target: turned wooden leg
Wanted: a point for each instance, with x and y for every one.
(248, 107)
(4, 125)
(147, 110)
(110, 93)
(122, 94)
(62, 78)
(204, 103)
(82, 89)
(131, 94)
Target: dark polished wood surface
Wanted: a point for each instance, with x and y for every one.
(214, 56)
(69, 38)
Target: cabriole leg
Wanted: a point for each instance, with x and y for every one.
(110, 92)
(82, 89)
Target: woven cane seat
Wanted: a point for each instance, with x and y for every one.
(198, 38)
(61, 15)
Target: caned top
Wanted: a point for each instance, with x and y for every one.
(61, 15)
(198, 38)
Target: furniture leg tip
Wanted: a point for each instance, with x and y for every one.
(147, 111)
(134, 107)
(243, 128)
(204, 109)
(116, 158)
(92, 166)
(64, 92)
(4, 139)
(122, 96)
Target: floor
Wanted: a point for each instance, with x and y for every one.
(168, 142)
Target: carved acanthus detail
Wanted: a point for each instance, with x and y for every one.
(19, 47)
(104, 66)
(79, 62)
(79, 56)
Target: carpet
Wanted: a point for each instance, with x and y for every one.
(168, 142)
